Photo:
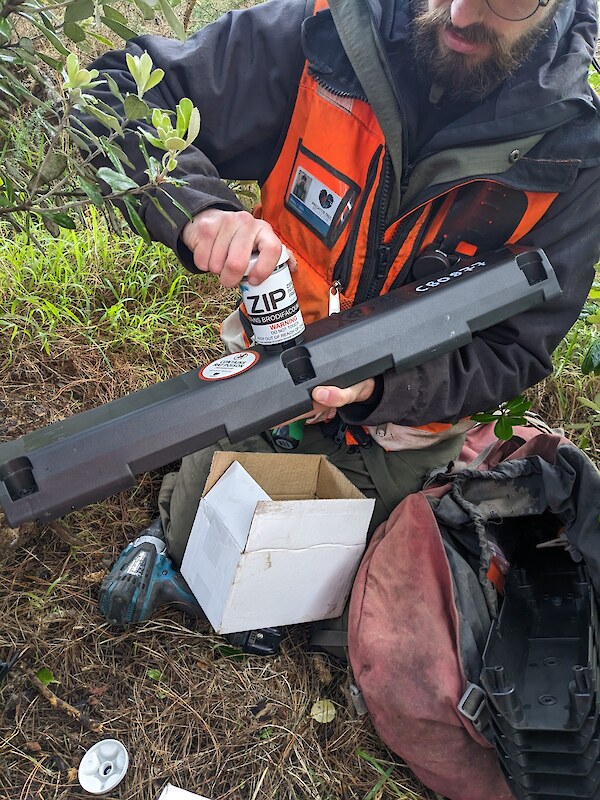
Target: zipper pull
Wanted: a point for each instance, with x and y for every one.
(334, 298)
(382, 261)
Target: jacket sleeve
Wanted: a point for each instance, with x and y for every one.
(504, 360)
(242, 73)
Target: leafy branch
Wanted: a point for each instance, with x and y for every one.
(43, 173)
(506, 416)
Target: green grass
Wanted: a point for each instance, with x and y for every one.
(574, 397)
(386, 781)
(206, 12)
(99, 287)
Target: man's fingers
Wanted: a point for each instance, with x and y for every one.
(233, 235)
(327, 399)
(335, 397)
(292, 262)
(199, 237)
(269, 248)
(231, 253)
(222, 241)
(331, 396)
(326, 415)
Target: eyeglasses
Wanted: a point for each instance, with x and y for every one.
(515, 10)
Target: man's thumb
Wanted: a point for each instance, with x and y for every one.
(322, 395)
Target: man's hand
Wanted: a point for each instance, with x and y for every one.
(222, 242)
(327, 399)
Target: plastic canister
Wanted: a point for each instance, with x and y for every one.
(272, 306)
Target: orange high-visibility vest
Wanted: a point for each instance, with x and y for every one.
(327, 192)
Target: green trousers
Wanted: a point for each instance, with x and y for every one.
(386, 476)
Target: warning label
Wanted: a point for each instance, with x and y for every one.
(229, 366)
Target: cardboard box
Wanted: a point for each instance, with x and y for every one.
(277, 540)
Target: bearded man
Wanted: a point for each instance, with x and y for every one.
(438, 128)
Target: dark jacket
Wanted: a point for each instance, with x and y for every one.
(242, 73)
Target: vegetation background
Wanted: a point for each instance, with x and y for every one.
(90, 312)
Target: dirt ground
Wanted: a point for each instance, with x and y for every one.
(187, 711)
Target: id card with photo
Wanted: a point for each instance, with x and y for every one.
(320, 196)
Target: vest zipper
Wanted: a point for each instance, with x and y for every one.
(387, 254)
(408, 168)
(381, 263)
(377, 252)
(343, 266)
(334, 90)
(399, 279)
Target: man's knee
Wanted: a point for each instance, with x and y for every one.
(181, 491)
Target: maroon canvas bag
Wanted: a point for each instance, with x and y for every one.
(419, 615)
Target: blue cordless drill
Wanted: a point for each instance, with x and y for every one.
(142, 579)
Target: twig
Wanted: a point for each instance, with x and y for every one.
(187, 14)
(56, 702)
(59, 530)
(30, 208)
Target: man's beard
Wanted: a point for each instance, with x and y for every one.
(459, 74)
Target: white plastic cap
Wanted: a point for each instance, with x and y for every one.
(103, 766)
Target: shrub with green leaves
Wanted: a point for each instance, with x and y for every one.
(591, 361)
(42, 174)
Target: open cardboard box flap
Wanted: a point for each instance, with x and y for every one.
(305, 478)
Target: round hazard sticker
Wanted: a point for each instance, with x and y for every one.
(229, 366)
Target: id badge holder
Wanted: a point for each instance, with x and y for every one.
(320, 196)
